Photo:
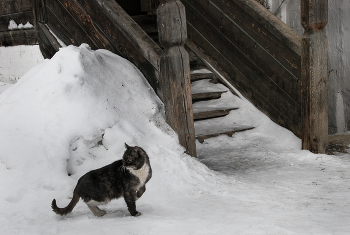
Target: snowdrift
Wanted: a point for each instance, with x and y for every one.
(52, 122)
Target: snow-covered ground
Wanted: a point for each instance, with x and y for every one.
(256, 182)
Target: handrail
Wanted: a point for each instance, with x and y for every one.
(149, 49)
(284, 33)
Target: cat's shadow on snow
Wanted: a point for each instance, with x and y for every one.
(112, 213)
(117, 213)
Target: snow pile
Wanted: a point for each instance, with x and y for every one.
(13, 25)
(73, 113)
(52, 119)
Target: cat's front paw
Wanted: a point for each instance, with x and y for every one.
(100, 213)
(137, 214)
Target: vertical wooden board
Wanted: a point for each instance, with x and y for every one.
(175, 72)
(14, 6)
(315, 92)
(314, 72)
(19, 18)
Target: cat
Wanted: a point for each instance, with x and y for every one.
(123, 178)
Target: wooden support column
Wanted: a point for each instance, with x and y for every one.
(175, 80)
(314, 75)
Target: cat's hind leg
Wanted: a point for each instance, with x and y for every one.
(93, 206)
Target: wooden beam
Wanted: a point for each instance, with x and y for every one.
(127, 36)
(127, 26)
(19, 18)
(314, 75)
(47, 42)
(14, 6)
(175, 72)
(19, 37)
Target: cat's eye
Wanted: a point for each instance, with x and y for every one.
(129, 160)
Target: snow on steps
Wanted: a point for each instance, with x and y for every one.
(211, 102)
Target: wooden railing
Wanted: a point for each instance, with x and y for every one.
(252, 49)
(104, 24)
(256, 52)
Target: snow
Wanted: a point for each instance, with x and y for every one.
(13, 25)
(18, 60)
(256, 182)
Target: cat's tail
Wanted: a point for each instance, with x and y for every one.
(67, 209)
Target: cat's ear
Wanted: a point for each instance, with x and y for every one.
(127, 146)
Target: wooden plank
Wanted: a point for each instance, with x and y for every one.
(338, 144)
(283, 111)
(59, 29)
(230, 133)
(47, 42)
(230, 18)
(14, 6)
(78, 35)
(19, 37)
(314, 71)
(265, 18)
(47, 54)
(109, 10)
(238, 47)
(206, 96)
(212, 114)
(175, 71)
(201, 76)
(87, 24)
(19, 18)
(127, 47)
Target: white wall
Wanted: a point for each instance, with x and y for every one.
(16, 61)
(338, 32)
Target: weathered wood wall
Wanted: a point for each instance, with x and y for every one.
(254, 50)
(21, 11)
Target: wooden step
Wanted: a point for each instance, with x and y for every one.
(206, 96)
(202, 137)
(200, 76)
(212, 114)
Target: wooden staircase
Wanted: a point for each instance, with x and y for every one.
(239, 39)
(206, 117)
(208, 109)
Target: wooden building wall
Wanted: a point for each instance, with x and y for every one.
(21, 11)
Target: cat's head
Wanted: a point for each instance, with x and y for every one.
(134, 157)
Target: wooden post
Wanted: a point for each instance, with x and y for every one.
(314, 75)
(175, 80)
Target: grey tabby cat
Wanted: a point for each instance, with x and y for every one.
(123, 178)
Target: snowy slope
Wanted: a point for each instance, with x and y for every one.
(258, 182)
